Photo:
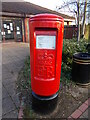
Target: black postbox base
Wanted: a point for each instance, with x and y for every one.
(44, 97)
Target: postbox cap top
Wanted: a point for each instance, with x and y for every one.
(46, 16)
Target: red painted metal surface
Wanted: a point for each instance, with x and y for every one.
(45, 63)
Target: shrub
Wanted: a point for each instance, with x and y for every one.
(69, 48)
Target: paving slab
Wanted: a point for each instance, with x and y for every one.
(6, 75)
(11, 88)
(5, 93)
(7, 105)
(16, 100)
(0, 107)
(12, 114)
(85, 114)
(0, 92)
(9, 80)
(13, 57)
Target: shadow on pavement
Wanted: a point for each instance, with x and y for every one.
(44, 107)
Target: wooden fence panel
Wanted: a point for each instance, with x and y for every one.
(70, 32)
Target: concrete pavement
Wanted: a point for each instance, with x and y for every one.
(13, 56)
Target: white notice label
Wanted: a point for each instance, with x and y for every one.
(45, 42)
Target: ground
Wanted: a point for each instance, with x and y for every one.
(13, 57)
(70, 97)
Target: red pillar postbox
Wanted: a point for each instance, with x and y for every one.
(46, 40)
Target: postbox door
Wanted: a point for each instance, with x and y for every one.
(45, 55)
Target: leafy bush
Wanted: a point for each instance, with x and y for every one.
(88, 47)
(69, 48)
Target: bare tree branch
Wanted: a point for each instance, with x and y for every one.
(79, 9)
(66, 4)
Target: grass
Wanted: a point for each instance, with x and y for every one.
(24, 79)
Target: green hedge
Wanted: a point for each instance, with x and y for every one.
(69, 48)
